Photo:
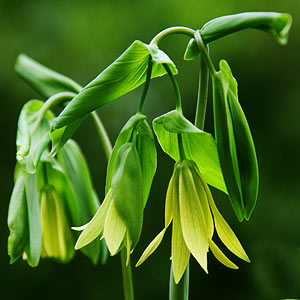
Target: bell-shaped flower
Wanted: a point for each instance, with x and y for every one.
(130, 173)
(57, 237)
(50, 195)
(194, 216)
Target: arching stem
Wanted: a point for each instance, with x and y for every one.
(176, 88)
(172, 30)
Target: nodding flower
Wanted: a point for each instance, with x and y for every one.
(194, 216)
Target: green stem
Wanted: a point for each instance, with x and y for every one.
(172, 30)
(146, 86)
(204, 53)
(176, 87)
(127, 276)
(202, 95)
(179, 291)
(54, 100)
(103, 136)
(181, 149)
(126, 268)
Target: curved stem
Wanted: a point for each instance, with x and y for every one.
(179, 291)
(103, 136)
(176, 87)
(54, 100)
(172, 30)
(204, 53)
(146, 86)
(127, 276)
(202, 95)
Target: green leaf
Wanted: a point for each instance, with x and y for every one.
(34, 220)
(33, 134)
(192, 50)
(124, 137)
(17, 220)
(123, 75)
(47, 82)
(76, 170)
(147, 154)
(60, 136)
(138, 127)
(235, 145)
(278, 24)
(127, 190)
(198, 145)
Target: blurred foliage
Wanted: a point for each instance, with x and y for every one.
(81, 38)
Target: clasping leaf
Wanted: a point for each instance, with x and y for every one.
(235, 145)
(198, 145)
(278, 24)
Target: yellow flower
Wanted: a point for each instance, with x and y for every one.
(108, 222)
(189, 204)
(57, 237)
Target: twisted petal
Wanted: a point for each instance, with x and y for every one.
(225, 233)
(152, 247)
(93, 229)
(219, 255)
(195, 217)
(180, 252)
(114, 230)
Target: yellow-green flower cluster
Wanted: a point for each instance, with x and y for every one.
(194, 216)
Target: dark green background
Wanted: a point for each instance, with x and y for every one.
(81, 38)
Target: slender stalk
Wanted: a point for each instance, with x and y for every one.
(176, 87)
(146, 86)
(204, 53)
(127, 276)
(103, 136)
(179, 291)
(56, 99)
(126, 268)
(202, 95)
(172, 30)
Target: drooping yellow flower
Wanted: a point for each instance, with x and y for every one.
(57, 237)
(108, 222)
(194, 216)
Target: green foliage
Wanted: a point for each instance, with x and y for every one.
(235, 145)
(198, 145)
(44, 80)
(33, 134)
(277, 24)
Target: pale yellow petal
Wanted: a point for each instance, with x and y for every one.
(171, 195)
(96, 225)
(193, 218)
(220, 256)
(180, 252)
(81, 228)
(226, 234)
(152, 247)
(114, 230)
(202, 190)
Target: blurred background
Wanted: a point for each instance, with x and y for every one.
(81, 38)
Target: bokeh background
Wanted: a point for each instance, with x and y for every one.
(81, 38)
